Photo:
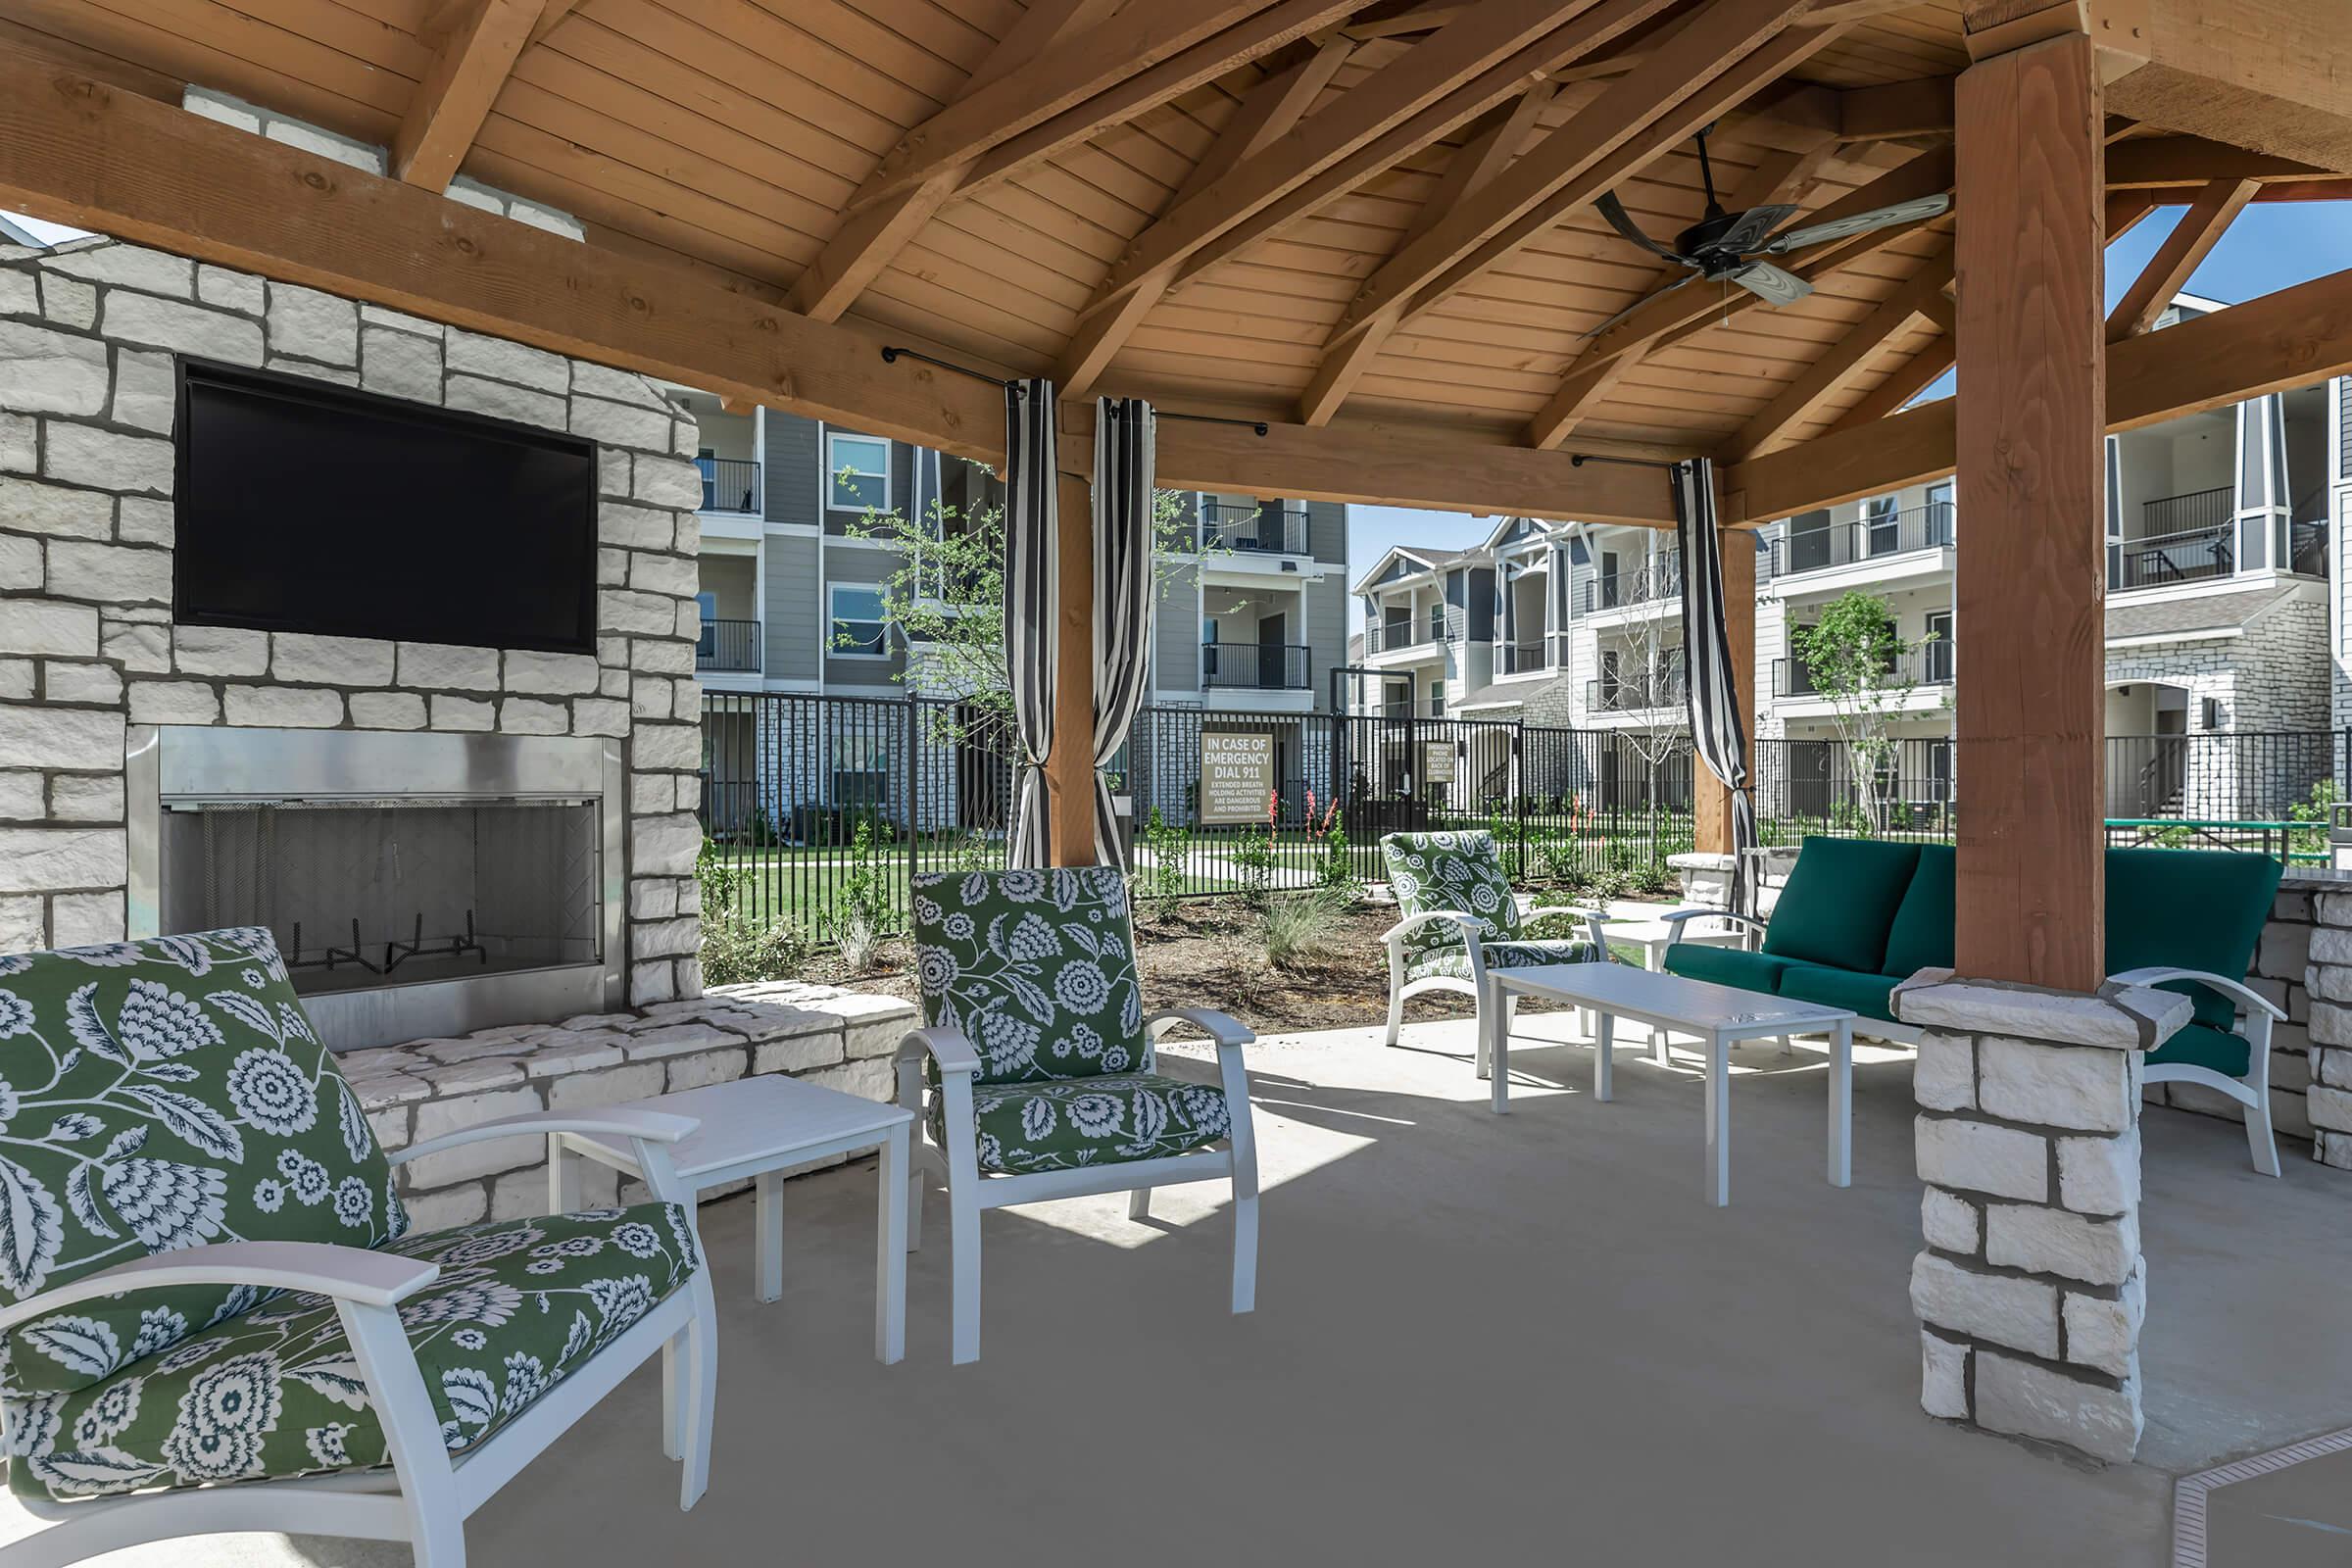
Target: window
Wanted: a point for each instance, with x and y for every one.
(858, 631)
(861, 770)
(1437, 699)
(857, 473)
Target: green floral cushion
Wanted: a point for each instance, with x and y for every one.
(276, 1391)
(1455, 962)
(1103, 1120)
(157, 1094)
(1459, 871)
(1036, 968)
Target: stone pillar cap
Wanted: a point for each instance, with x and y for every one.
(2117, 1017)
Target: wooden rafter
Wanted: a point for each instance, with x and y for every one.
(476, 51)
(1479, 160)
(867, 242)
(2273, 77)
(2142, 160)
(1468, 67)
(2167, 271)
(1893, 110)
(1922, 296)
(553, 12)
(1721, 54)
(1905, 382)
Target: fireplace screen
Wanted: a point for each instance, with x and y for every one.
(365, 895)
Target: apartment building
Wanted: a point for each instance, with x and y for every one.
(1251, 612)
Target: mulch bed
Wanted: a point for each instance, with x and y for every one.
(1209, 954)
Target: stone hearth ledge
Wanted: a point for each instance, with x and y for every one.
(841, 1038)
(2118, 1017)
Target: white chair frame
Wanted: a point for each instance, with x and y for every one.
(1474, 927)
(2256, 1014)
(427, 1494)
(970, 1191)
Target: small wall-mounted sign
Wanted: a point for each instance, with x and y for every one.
(1236, 777)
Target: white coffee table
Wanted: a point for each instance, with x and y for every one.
(757, 1129)
(1653, 938)
(1720, 1015)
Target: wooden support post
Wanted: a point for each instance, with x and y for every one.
(1711, 802)
(2032, 583)
(1070, 765)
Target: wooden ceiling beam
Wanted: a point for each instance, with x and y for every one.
(2183, 250)
(2141, 161)
(553, 12)
(2293, 338)
(1889, 110)
(1476, 162)
(1473, 63)
(2275, 76)
(867, 242)
(1922, 297)
(1078, 70)
(469, 67)
(1721, 53)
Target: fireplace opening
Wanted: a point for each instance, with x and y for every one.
(362, 894)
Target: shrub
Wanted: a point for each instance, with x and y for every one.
(1159, 886)
(1298, 925)
(733, 953)
(862, 911)
(1254, 857)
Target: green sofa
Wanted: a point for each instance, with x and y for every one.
(1859, 916)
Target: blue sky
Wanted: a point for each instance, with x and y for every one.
(2272, 246)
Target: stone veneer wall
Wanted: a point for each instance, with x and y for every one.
(2326, 999)
(89, 335)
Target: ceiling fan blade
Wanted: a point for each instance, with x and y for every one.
(1860, 223)
(1748, 229)
(1614, 210)
(1692, 277)
(1771, 285)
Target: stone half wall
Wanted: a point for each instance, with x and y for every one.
(88, 339)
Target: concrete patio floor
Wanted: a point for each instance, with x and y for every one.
(1503, 1339)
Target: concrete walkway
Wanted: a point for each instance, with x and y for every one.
(1479, 1338)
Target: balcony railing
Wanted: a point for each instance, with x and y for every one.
(1841, 543)
(2187, 554)
(2187, 514)
(728, 646)
(1657, 580)
(1387, 636)
(731, 484)
(1266, 666)
(1399, 708)
(2307, 547)
(1636, 693)
(1930, 664)
(1523, 658)
(1268, 528)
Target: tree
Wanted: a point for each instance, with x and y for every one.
(1855, 657)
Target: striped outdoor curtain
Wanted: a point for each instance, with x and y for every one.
(1717, 730)
(1032, 604)
(1124, 431)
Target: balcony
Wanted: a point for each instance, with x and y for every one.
(1929, 665)
(731, 484)
(1636, 693)
(1654, 581)
(1258, 667)
(1841, 543)
(728, 647)
(2185, 555)
(1389, 636)
(1402, 708)
(1523, 658)
(1267, 529)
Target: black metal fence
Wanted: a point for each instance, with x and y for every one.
(819, 808)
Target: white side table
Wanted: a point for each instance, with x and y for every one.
(1653, 938)
(757, 1128)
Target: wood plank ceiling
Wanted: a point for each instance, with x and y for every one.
(746, 139)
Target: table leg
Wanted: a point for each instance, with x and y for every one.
(1653, 957)
(562, 1177)
(1499, 1049)
(890, 1258)
(767, 1221)
(1604, 1063)
(1719, 1121)
(1842, 1104)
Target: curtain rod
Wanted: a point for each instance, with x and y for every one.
(1577, 460)
(892, 354)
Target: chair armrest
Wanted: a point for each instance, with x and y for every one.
(346, 1273)
(616, 1121)
(950, 1048)
(1472, 925)
(1224, 1029)
(1676, 919)
(2244, 993)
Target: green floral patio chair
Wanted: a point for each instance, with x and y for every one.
(212, 1314)
(1036, 1063)
(1460, 919)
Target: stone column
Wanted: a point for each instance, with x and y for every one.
(2330, 977)
(2031, 1289)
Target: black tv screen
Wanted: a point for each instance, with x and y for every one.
(307, 507)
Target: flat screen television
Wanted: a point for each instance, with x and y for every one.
(310, 508)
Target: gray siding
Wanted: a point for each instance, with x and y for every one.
(1327, 530)
(1581, 572)
(790, 618)
(1326, 632)
(1176, 638)
(1480, 607)
(790, 464)
(859, 563)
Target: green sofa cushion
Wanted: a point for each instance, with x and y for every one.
(2190, 909)
(1863, 993)
(275, 1393)
(1921, 937)
(157, 1094)
(2203, 1046)
(1726, 966)
(1840, 899)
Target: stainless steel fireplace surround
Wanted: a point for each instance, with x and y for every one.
(418, 884)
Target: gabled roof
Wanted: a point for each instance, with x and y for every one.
(2200, 615)
(1418, 557)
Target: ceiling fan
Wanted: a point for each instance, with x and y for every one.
(1733, 247)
